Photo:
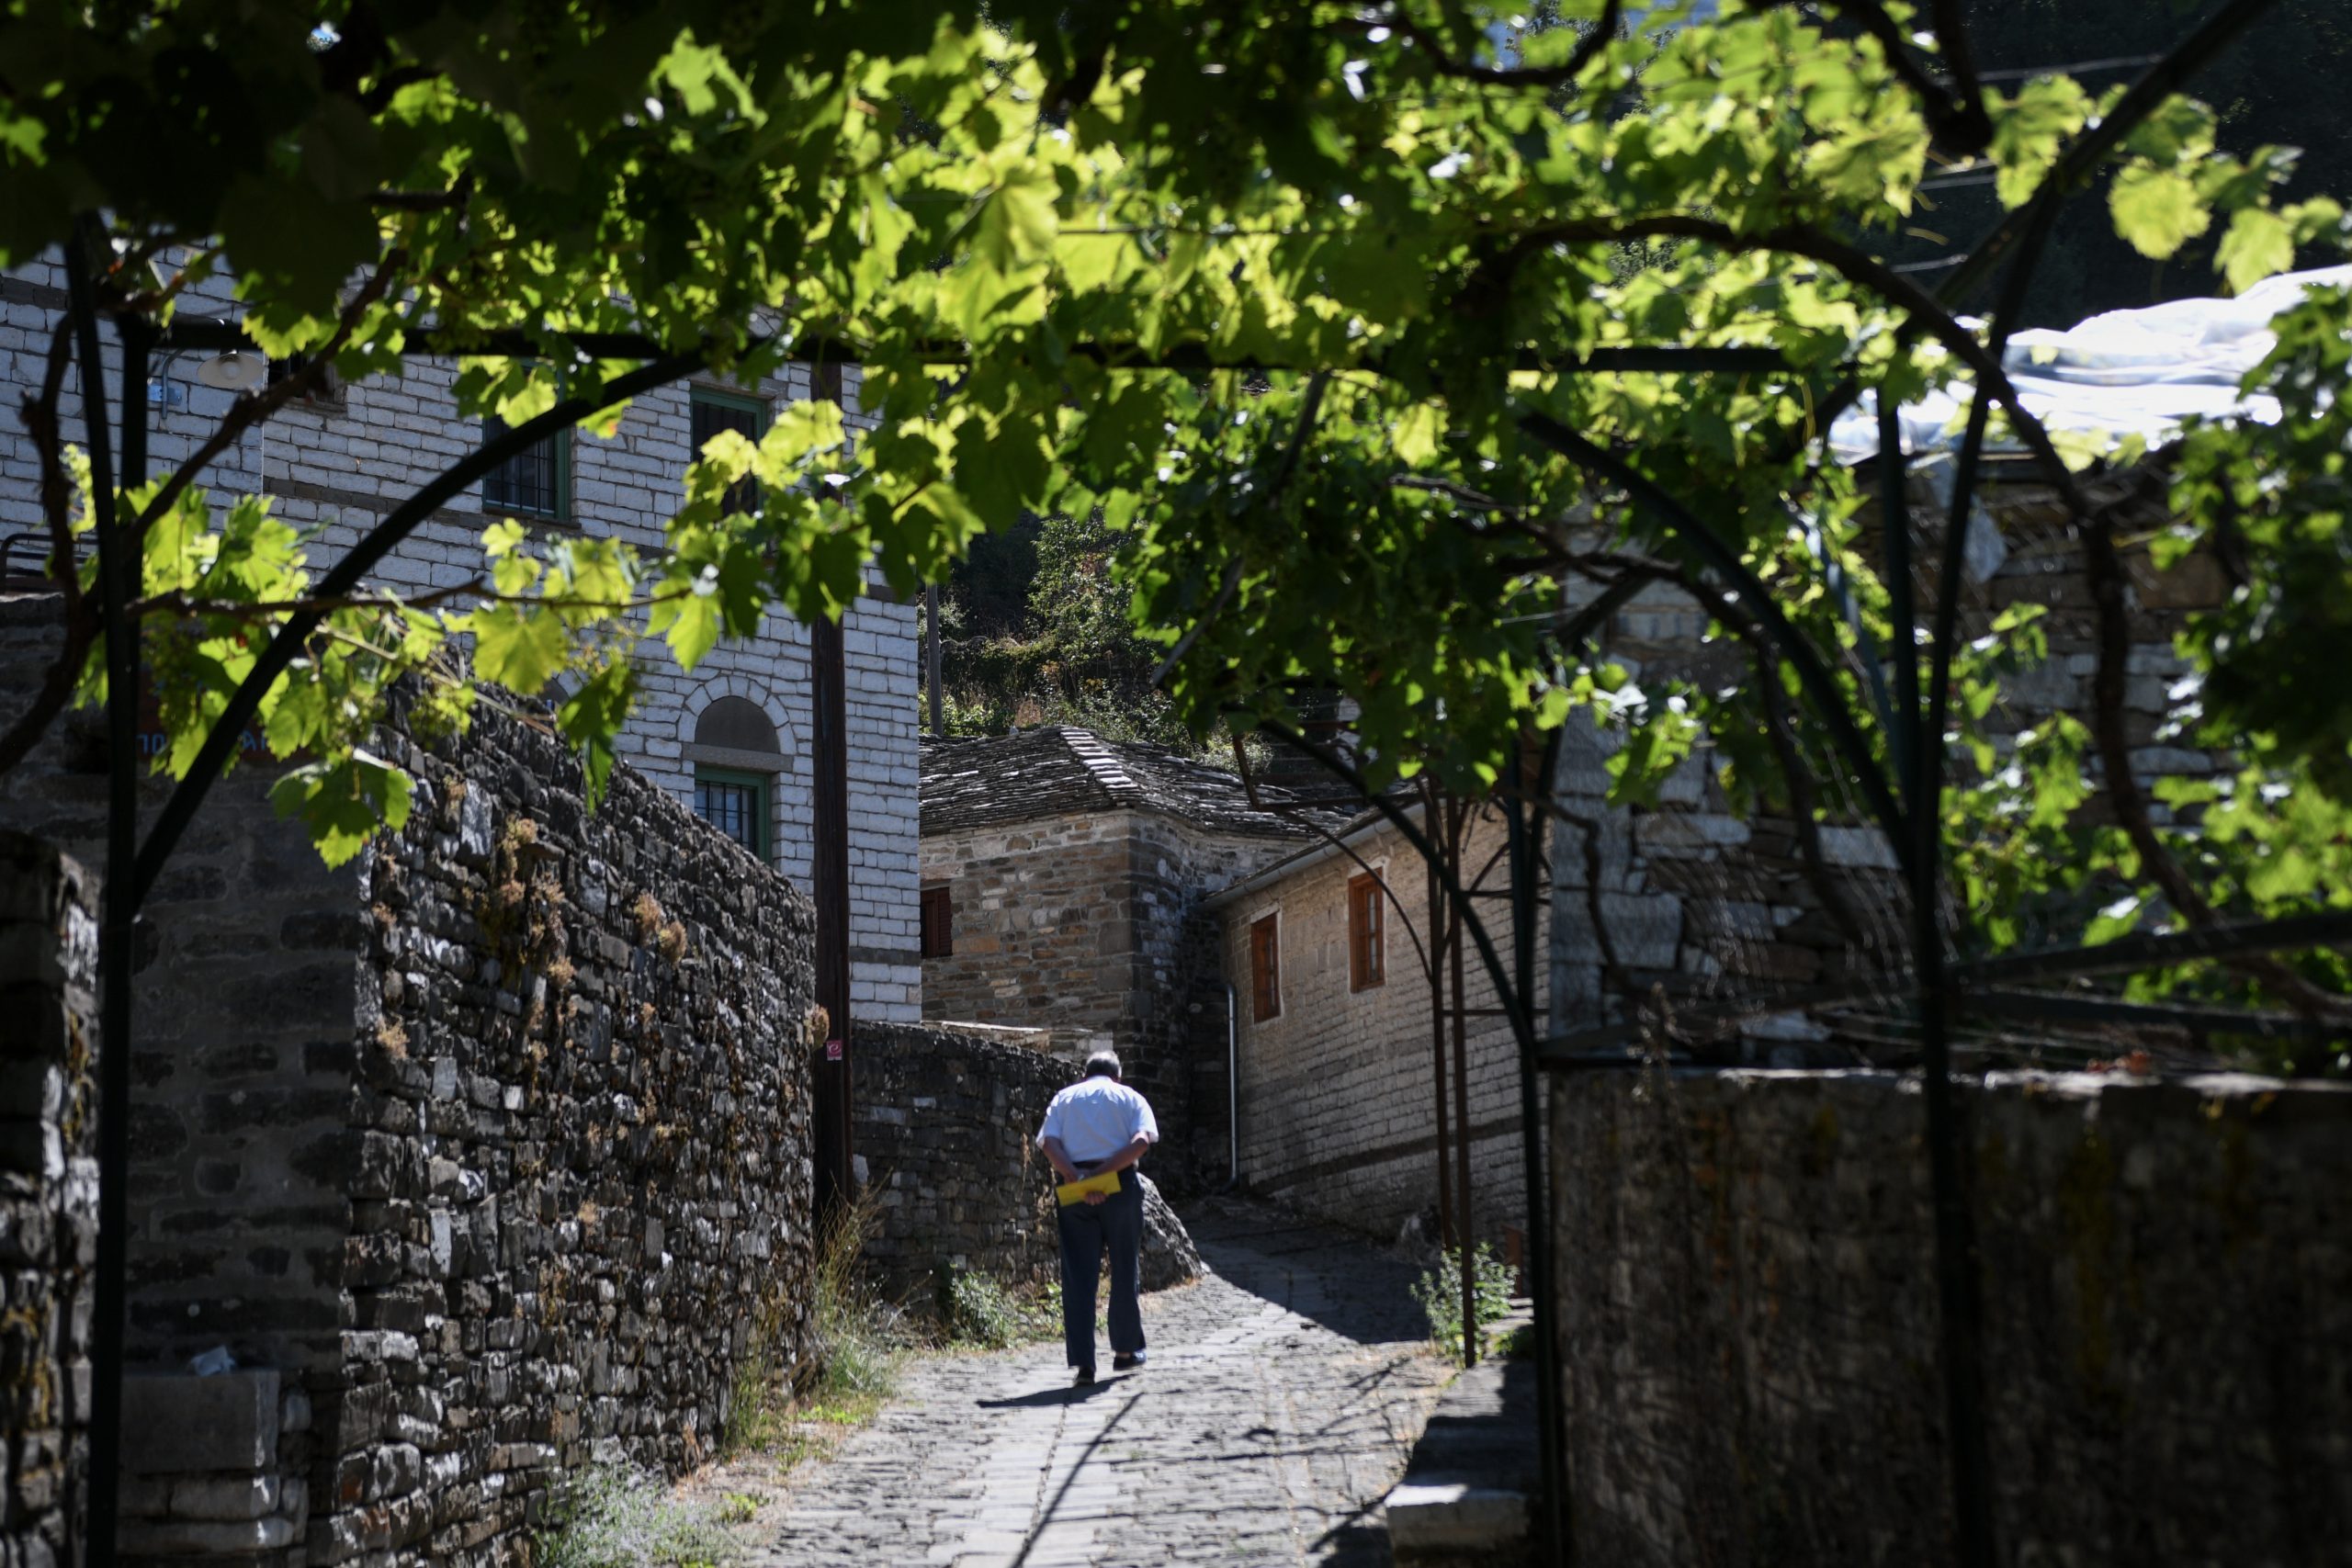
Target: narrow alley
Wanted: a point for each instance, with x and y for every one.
(1279, 1398)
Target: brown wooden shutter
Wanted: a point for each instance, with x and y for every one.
(1366, 958)
(939, 921)
(1265, 970)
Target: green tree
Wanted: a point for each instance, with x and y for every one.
(1049, 634)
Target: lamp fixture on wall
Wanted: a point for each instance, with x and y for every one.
(238, 370)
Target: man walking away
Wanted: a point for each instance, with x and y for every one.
(1098, 1125)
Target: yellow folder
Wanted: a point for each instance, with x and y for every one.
(1070, 1192)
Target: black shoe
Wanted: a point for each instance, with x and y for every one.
(1122, 1362)
(1085, 1378)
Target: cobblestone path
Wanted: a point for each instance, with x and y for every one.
(1275, 1411)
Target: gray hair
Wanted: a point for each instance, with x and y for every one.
(1102, 1065)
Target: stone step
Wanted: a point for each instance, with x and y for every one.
(1467, 1496)
(1442, 1521)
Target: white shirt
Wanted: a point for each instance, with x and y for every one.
(1097, 1117)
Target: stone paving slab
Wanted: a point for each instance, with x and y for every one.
(1281, 1395)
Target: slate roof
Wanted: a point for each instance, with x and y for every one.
(1061, 769)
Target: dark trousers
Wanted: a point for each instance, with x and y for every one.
(1087, 1230)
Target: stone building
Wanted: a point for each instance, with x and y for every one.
(1061, 877)
(734, 740)
(1697, 906)
(1327, 952)
(1119, 893)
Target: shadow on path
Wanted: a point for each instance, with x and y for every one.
(1290, 1262)
(1068, 1393)
(1052, 1503)
(1283, 1394)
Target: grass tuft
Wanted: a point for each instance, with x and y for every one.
(858, 1340)
(1439, 1292)
(621, 1517)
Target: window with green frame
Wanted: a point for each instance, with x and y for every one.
(736, 803)
(534, 483)
(712, 410)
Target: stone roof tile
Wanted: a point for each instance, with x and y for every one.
(1061, 769)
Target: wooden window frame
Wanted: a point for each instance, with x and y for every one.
(762, 787)
(743, 495)
(939, 920)
(1367, 932)
(1266, 967)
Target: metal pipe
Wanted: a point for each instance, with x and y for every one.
(1438, 929)
(118, 569)
(1232, 1087)
(1466, 1228)
(1956, 1263)
(1550, 1431)
(831, 1086)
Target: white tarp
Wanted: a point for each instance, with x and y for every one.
(2126, 373)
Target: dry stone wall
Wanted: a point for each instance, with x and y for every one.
(576, 1153)
(1749, 1326)
(49, 1196)
(482, 1169)
(947, 1118)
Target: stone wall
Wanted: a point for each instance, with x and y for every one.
(1749, 1330)
(49, 1195)
(1685, 899)
(1039, 930)
(1177, 1034)
(240, 1051)
(444, 1145)
(1339, 1108)
(215, 1468)
(947, 1118)
(577, 1148)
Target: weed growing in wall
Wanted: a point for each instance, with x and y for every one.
(857, 1341)
(666, 936)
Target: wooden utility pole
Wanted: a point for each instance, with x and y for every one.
(930, 662)
(830, 1072)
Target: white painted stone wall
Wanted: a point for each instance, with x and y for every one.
(341, 468)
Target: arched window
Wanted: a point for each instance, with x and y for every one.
(736, 758)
